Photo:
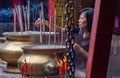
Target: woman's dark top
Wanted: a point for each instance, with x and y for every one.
(80, 60)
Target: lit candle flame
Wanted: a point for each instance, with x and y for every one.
(60, 65)
(65, 63)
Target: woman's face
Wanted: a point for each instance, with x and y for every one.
(82, 22)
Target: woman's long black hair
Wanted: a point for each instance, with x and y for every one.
(89, 16)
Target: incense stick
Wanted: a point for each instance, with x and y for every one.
(40, 30)
(28, 15)
(24, 13)
(62, 32)
(20, 19)
(49, 31)
(14, 14)
(42, 16)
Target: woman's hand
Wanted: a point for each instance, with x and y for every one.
(46, 23)
(80, 49)
(37, 22)
(41, 21)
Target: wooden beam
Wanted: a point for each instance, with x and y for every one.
(101, 34)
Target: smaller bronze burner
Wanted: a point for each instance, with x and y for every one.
(43, 59)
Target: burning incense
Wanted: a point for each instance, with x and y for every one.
(42, 16)
(24, 13)
(40, 29)
(50, 30)
(62, 32)
(28, 15)
(14, 15)
(20, 18)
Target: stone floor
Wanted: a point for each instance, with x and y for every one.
(114, 62)
(7, 75)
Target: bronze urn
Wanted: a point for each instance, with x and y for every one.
(11, 50)
(43, 59)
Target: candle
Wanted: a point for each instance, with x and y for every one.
(31, 70)
(65, 64)
(25, 65)
(60, 65)
(23, 68)
(22, 71)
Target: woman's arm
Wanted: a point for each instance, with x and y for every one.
(38, 21)
(81, 50)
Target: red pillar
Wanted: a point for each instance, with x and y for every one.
(101, 34)
(51, 9)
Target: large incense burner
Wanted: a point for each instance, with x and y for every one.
(43, 59)
(11, 50)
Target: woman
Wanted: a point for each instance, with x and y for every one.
(82, 39)
(84, 30)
